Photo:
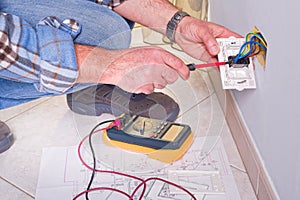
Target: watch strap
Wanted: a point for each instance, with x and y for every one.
(173, 23)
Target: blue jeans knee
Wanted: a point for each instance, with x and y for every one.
(100, 26)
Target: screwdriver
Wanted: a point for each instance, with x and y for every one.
(193, 66)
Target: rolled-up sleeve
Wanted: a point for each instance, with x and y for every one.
(109, 3)
(43, 55)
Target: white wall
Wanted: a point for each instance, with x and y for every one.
(272, 111)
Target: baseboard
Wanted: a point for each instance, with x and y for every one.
(251, 159)
(255, 169)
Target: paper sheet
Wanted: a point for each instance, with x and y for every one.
(206, 174)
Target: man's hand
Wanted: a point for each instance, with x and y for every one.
(145, 68)
(197, 38)
(194, 36)
(138, 70)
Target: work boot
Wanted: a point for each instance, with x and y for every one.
(103, 98)
(6, 138)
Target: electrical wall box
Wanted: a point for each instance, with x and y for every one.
(238, 75)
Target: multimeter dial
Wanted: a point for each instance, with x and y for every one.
(143, 126)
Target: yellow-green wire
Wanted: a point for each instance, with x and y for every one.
(258, 36)
(247, 40)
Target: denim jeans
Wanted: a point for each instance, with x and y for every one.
(100, 27)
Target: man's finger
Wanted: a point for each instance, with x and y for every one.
(177, 64)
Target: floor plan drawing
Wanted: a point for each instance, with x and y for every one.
(205, 174)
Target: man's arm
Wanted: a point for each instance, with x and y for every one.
(47, 58)
(151, 13)
(138, 70)
(194, 36)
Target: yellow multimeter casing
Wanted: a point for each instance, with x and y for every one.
(160, 140)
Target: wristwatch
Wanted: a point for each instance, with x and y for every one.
(173, 23)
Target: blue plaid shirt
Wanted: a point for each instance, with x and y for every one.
(43, 56)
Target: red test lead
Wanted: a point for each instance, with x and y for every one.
(193, 66)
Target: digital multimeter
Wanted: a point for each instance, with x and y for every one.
(160, 140)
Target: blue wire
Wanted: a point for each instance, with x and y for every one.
(247, 54)
(251, 42)
(251, 48)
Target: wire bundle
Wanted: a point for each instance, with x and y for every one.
(254, 45)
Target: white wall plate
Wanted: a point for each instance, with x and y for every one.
(235, 76)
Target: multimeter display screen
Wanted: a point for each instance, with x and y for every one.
(172, 133)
